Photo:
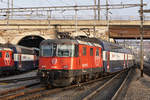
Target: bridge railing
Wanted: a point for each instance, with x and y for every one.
(72, 17)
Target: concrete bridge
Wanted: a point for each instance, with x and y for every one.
(31, 31)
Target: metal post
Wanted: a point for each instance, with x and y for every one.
(141, 36)
(107, 19)
(98, 9)
(107, 9)
(124, 43)
(12, 4)
(95, 10)
(8, 4)
(94, 30)
(8, 13)
(76, 23)
(49, 17)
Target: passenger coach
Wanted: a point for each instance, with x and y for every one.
(116, 57)
(25, 58)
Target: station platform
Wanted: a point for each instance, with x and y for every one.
(139, 87)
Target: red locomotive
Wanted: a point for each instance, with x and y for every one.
(17, 58)
(6, 59)
(65, 61)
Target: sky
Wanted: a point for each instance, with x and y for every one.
(129, 13)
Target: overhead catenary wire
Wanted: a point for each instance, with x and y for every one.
(33, 10)
(49, 3)
(83, 7)
(6, 2)
(64, 2)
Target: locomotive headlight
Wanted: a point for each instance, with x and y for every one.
(43, 66)
(43, 75)
(65, 67)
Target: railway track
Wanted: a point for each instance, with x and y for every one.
(39, 92)
(121, 92)
(111, 89)
(13, 74)
(18, 79)
(11, 93)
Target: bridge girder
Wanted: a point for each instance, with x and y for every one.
(128, 32)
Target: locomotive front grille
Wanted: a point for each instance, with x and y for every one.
(53, 74)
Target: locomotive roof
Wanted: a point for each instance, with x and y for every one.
(1, 48)
(19, 49)
(69, 41)
(108, 46)
(8, 45)
(59, 41)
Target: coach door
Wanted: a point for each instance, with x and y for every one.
(127, 61)
(108, 60)
(83, 58)
(19, 61)
(91, 58)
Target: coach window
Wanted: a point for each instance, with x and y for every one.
(84, 51)
(91, 51)
(97, 52)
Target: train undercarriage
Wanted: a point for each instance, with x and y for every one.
(61, 78)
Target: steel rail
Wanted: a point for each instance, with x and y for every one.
(13, 96)
(18, 79)
(17, 89)
(122, 85)
(36, 93)
(88, 97)
(45, 93)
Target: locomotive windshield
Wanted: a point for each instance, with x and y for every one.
(47, 50)
(59, 50)
(64, 50)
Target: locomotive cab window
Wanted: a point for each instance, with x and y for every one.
(84, 51)
(47, 50)
(76, 54)
(65, 50)
(0, 54)
(91, 51)
(97, 52)
(7, 55)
